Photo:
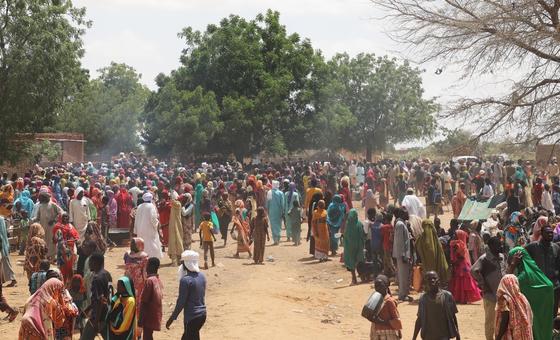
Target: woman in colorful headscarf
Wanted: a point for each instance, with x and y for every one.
(321, 232)
(26, 202)
(336, 212)
(35, 249)
(6, 200)
(289, 197)
(462, 285)
(135, 261)
(345, 191)
(537, 228)
(121, 318)
(44, 312)
(431, 252)
(241, 225)
(512, 232)
(514, 318)
(313, 201)
(354, 239)
(538, 290)
(65, 236)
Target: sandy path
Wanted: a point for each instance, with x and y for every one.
(293, 297)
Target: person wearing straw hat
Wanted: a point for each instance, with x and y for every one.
(192, 290)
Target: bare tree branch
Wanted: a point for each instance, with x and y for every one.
(497, 36)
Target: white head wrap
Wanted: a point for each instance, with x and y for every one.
(147, 197)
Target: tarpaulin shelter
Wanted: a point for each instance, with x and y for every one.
(479, 209)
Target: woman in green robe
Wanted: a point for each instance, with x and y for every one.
(431, 252)
(197, 202)
(354, 239)
(537, 288)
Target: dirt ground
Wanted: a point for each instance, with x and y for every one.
(291, 297)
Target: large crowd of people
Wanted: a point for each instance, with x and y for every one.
(63, 218)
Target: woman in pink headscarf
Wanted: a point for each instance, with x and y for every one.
(537, 228)
(135, 262)
(44, 312)
(462, 285)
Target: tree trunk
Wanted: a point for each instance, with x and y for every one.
(368, 153)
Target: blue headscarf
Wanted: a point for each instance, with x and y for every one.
(336, 212)
(26, 202)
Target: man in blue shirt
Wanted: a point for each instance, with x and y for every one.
(192, 289)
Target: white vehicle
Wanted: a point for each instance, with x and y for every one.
(464, 159)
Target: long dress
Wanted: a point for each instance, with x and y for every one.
(66, 237)
(242, 229)
(539, 291)
(146, 227)
(462, 285)
(431, 252)
(354, 239)
(321, 234)
(7, 271)
(187, 217)
(175, 232)
(135, 269)
(124, 207)
(335, 217)
(47, 214)
(294, 219)
(225, 212)
(197, 202)
(275, 207)
(259, 227)
(164, 211)
(289, 198)
(79, 215)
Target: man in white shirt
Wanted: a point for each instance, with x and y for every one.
(78, 212)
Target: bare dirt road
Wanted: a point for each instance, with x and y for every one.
(293, 297)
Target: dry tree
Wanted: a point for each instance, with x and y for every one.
(519, 37)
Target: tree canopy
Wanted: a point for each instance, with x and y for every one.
(271, 91)
(382, 101)
(107, 110)
(243, 87)
(40, 51)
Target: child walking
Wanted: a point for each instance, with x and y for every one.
(207, 239)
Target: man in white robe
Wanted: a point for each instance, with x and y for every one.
(413, 204)
(146, 226)
(78, 211)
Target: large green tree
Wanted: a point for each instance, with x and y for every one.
(40, 51)
(261, 78)
(107, 110)
(385, 99)
(180, 122)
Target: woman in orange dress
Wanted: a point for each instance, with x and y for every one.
(321, 232)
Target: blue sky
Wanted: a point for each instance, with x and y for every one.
(143, 34)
